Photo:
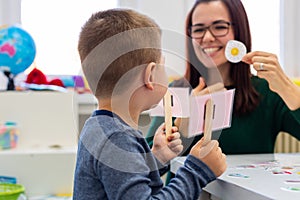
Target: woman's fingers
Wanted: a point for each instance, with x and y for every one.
(211, 89)
(200, 87)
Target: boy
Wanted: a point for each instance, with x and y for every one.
(121, 58)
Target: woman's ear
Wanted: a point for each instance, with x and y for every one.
(148, 75)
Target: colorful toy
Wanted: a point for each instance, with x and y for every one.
(36, 76)
(17, 52)
(8, 135)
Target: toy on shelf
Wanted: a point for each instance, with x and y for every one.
(17, 52)
(37, 80)
(9, 191)
(8, 135)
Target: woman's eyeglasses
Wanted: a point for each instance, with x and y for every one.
(217, 29)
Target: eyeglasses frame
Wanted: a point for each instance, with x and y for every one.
(208, 28)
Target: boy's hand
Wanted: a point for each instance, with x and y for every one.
(211, 154)
(165, 149)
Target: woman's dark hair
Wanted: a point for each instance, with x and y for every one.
(246, 97)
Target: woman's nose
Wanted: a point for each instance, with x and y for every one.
(208, 36)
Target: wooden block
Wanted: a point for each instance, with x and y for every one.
(209, 109)
(168, 113)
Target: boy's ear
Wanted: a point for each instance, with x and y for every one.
(148, 75)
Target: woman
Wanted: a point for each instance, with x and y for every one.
(264, 104)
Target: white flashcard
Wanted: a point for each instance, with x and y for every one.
(235, 51)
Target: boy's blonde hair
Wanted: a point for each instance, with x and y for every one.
(113, 42)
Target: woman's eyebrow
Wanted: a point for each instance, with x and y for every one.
(198, 24)
(218, 21)
(214, 22)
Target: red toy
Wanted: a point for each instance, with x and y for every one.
(36, 76)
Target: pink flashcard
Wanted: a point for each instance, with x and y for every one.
(179, 102)
(222, 103)
(192, 110)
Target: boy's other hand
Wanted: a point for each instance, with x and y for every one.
(211, 154)
(165, 149)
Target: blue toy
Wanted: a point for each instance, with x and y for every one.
(17, 52)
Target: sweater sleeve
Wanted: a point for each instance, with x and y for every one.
(296, 115)
(291, 122)
(130, 174)
(191, 178)
(286, 119)
(155, 123)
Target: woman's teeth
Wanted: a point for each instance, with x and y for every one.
(210, 50)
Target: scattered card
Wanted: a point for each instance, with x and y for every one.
(291, 189)
(238, 175)
(246, 166)
(292, 181)
(279, 171)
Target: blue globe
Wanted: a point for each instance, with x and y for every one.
(17, 49)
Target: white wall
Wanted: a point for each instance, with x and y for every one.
(170, 16)
(10, 12)
(290, 32)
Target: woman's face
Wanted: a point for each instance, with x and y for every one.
(209, 47)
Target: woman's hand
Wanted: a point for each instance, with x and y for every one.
(268, 67)
(202, 90)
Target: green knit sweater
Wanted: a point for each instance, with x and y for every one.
(254, 133)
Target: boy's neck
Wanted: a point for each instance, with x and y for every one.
(129, 114)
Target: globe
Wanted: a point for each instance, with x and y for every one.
(17, 49)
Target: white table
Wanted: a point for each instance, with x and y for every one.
(261, 183)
